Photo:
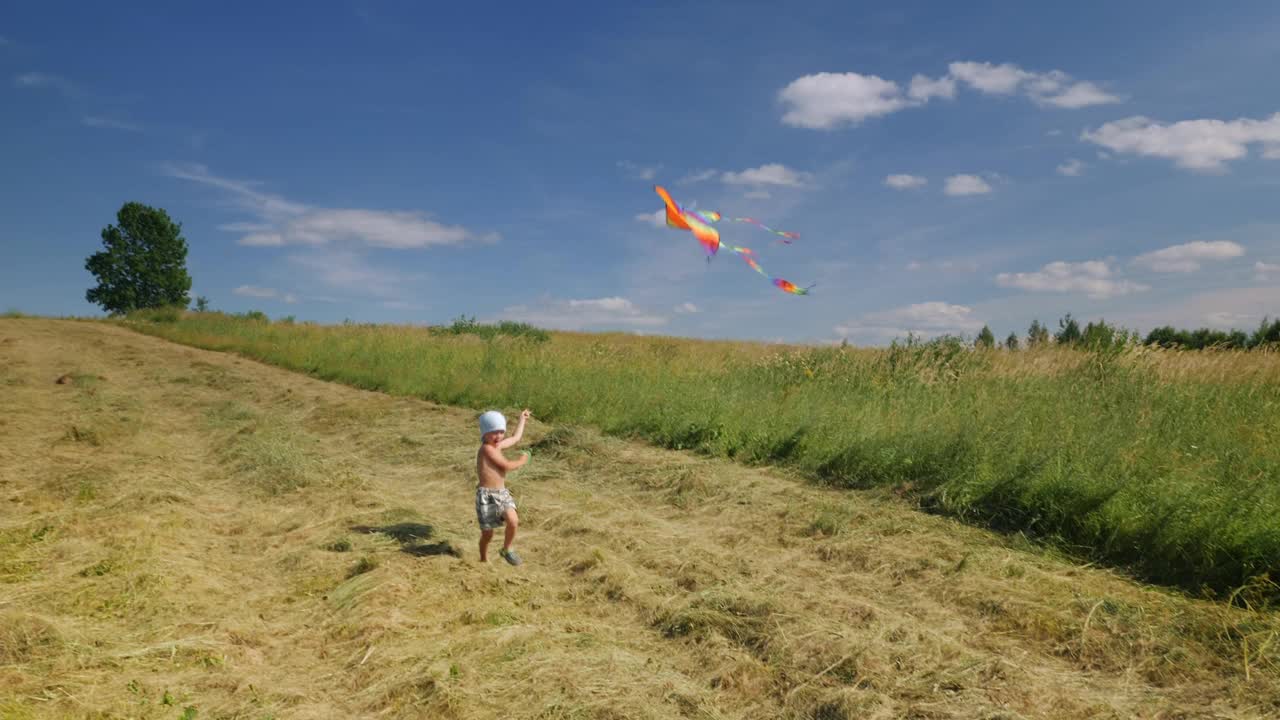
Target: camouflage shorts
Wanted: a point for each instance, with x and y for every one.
(492, 506)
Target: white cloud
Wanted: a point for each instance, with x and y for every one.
(768, 174)
(600, 313)
(639, 172)
(927, 319)
(757, 194)
(98, 121)
(244, 227)
(375, 228)
(1263, 271)
(914, 265)
(351, 273)
(1187, 257)
(284, 222)
(657, 218)
(966, 185)
(1230, 320)
(1095, 278)
(996, 79)
(264, 293)
(1054, 88)
(1071, 168)
(905, 182)
(251, 291)
(697, 177)
(46, 80)
(923, 88)
(1081, 94)
(827, 100)
(686, 308)
(1204, 145)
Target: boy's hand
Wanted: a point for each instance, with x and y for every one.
(525, 415)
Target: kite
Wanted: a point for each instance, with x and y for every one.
(787, 286)
(700, 224)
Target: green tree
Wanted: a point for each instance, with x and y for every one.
(1037, 334)
(1068, 331)
(1267, 333)
(144, 264)
(986, 339)
(202, 304)
(1011, 342)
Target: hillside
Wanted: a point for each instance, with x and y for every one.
(186, 533)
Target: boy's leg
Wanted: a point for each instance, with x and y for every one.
(485, 537)
(513, 522)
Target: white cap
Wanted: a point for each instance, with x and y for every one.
(492, 421)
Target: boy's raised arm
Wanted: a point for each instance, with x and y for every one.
(508, 442)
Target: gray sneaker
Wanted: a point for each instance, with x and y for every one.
(510, 556)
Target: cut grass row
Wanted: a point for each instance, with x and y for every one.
(1165, 463)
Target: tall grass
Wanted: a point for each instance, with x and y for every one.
(1164, 462)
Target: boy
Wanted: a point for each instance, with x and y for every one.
(494, 505)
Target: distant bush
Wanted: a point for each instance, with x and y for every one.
(463, 325)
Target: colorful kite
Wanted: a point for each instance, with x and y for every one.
(700, 224)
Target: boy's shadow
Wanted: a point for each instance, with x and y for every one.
(408, 534)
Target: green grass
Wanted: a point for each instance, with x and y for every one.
(1165, 463)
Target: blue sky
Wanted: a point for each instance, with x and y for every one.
(946, 165)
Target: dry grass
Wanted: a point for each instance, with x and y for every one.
(252, 543)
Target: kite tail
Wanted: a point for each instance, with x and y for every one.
(787, 236)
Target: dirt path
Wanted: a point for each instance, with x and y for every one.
(190, 534)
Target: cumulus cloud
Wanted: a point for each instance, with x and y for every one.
(768, 174)
(686, 308)
(827, 100)
(1095, 278)
(923, 88)
(905, 182)
(1203, 145)
(926, 319)
(598, 313)
(1264, 271)
(1187, 257)
(959, 185)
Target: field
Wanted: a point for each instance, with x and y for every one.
(191, 534)
(1160, 462)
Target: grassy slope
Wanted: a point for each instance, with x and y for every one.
(184, 529)
(1161, 462)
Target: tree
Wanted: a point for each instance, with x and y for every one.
(144, 264)
(1068, 331)
(985, 338)
(1267, 333)
(1011, 342)
(1037, 334)
(202, 304)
